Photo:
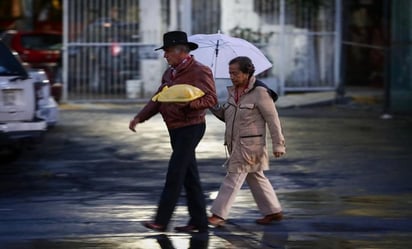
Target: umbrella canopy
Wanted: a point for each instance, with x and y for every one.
(216, 50)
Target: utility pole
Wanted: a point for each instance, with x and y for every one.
(387, 60)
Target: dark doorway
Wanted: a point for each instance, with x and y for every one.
(363, 42)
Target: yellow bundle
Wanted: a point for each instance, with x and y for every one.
(178, 93)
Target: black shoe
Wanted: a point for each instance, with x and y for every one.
(190, 229)
(154, 226)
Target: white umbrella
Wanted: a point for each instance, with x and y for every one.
(216, 50)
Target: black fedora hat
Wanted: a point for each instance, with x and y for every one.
(174, 38)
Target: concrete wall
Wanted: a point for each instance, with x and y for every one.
(152, 33)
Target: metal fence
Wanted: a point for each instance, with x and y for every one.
(103, 48)
(303, 41)
(106, 44)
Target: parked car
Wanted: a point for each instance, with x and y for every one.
(23, 99)
(48, 109)
(107, 56)
(41, 50)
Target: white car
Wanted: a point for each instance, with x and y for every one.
(48, 109)
(21, 102)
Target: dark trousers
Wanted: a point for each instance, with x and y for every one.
(182, 171)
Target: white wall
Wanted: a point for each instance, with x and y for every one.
(151, 33)
(238, 13)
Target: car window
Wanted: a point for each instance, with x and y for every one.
(41, 41)
(9, 65)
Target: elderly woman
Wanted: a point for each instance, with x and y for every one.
(249, 108)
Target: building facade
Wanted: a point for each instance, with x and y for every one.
(301, 39)
(313, 45)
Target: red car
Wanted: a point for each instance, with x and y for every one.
(39, 49)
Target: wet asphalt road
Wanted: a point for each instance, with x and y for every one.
(344, 183)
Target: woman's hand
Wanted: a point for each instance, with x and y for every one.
(133, 123)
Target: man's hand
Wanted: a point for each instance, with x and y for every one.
(133, 123)
(278, 154)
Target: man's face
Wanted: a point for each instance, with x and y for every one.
(174, 55)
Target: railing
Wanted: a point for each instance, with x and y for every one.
(110, 43)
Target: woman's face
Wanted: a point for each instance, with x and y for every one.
(237, 77)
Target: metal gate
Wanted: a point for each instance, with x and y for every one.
(107, 46)
(103, 49)
(303, 39)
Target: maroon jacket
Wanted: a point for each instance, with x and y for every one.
(178, 115)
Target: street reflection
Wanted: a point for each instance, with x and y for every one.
(213, 195)
(195, 241)
(94, 181)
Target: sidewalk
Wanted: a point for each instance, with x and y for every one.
(292, 100)
(306, 99)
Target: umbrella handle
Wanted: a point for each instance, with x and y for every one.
(217, 54)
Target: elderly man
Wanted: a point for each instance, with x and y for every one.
(186, 125)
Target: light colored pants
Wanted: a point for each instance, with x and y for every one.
(261, 188)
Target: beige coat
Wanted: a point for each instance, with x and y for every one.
(245, 134)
